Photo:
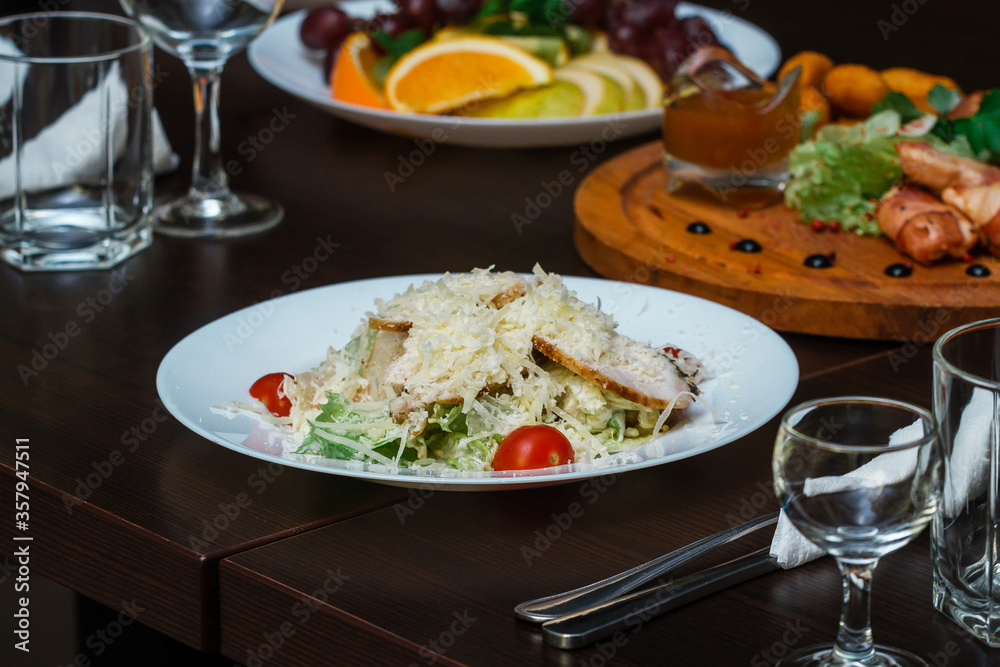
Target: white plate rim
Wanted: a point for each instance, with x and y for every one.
(781, 392)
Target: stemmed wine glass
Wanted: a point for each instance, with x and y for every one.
(859, 477)
(204, 33)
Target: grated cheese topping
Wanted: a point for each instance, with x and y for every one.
(471, 344)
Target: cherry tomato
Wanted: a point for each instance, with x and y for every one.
(267, 390)
(531, 447)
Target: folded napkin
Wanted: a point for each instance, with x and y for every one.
(68, 151)
(969, 464)
(790, 548)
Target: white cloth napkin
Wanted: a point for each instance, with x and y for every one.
(969, 464)
(791, 549)
(69, 150)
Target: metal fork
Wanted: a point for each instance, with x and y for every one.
(586, 597)
(635, 609)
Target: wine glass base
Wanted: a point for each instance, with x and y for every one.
(822, 656)
(230, 217)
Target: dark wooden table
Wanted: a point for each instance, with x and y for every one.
(219, 552)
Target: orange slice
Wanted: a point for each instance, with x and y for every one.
(351, 79)
(443, 75)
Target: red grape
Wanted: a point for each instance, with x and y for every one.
(648, 14)
(588, 13)
(698, 32)
(626, 39)
(325, 27)
(458, 12)
(614, 15)
(422, 13)
(667, 50)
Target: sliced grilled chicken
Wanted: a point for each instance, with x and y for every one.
(509, 293)
(689, 365)
(382, 324)
(625, 368)
(388, 346)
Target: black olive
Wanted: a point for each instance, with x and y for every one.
(747, 245)
(699, 227)
(898, 271)
(818, 262)
(977, 271)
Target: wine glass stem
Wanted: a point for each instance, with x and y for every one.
(854, 638)
(208, 177)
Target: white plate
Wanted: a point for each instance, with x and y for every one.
(755, 374)
(280, 57)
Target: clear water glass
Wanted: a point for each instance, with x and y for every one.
(204, 33)
(76, 165)
(965, 535)
(859, 477)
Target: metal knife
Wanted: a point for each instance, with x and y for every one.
(570, 602)
(631, 611)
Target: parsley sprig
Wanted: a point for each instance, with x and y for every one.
(395, 48)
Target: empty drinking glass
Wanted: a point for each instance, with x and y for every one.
(75, 140)
(204, 34)
(859, 477)
(965, 536)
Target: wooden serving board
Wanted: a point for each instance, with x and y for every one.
(629, 228)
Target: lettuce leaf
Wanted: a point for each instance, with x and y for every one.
(445, 431)
(337, 410)
(449, 418)
(447, 434)
(842, 173)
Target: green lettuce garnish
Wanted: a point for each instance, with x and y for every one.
(447, 429)
(842, 173)
(449, 418)
(979, 134)
(444, 435)
(338, 411)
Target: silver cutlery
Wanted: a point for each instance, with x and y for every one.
(632, 611)
(588, 599)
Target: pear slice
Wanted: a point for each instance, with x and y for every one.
(560, 99)
(607, 67)
(644, 76)
(600, 93)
